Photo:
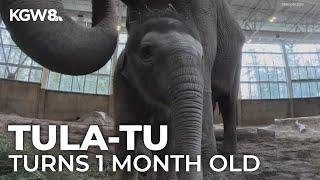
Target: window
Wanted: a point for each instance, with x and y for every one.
(304, 62)
(14, 64)
(96, 83)
(122, 43)
(263, 74)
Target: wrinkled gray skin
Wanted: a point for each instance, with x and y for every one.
(176, 82)
(159, 80)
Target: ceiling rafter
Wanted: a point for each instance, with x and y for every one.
(252, 15)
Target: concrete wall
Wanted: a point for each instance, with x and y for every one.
(261, 112)
(306, 107)
(28, 99)
(20, 98)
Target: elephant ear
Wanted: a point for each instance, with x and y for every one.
(122, 63)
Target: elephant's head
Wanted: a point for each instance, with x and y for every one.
(161, 53)
(163, 60)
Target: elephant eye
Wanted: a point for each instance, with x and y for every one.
(146, 53)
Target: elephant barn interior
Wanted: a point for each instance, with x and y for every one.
(278, 106)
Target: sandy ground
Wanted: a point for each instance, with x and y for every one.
(284, 152)
(280, 159)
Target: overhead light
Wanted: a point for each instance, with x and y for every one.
(118, 28)
(272, 19)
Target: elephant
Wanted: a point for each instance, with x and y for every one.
(182, 56)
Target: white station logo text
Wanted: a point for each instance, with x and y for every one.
(25, 15)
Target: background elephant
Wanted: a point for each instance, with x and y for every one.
(204, 68)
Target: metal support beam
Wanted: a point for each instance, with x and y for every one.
(44, 78)
(289, 79)
(283, 36)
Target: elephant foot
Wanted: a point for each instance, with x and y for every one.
(228, 148)
(211, 175)
(129, 176)
(148, 176)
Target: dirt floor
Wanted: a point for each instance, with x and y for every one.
(288, 149)
(285, 153)
(280, 159)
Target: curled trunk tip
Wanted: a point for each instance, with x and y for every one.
(65, 47)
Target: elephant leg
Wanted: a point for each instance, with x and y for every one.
(122, 152)
(226, 72)
(129, 116)
(228, 108)
(171, 174)
(141, 149)
(208, 147)
(129, 110)
(125, 117)
(159, 119)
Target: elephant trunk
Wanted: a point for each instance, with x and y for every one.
(63, 46)
(186, 95)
